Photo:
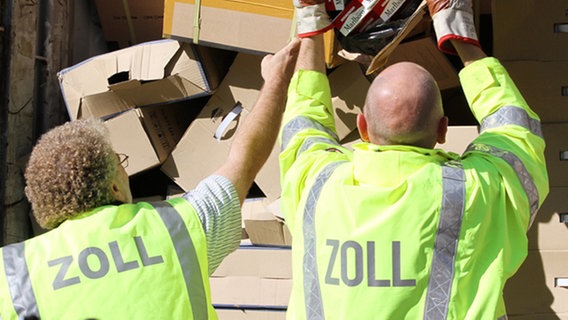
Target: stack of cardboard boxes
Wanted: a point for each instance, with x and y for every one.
(531, 39)
(174, 105)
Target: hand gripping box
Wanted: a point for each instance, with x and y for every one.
(205, 145)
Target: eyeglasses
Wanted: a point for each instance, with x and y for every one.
(122, 159)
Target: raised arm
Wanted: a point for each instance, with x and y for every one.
(256, 137)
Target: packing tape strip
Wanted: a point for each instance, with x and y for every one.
(228, 119)
(129, 21)
(196, 21)
(561, 27)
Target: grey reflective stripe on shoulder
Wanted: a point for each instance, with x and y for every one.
(446, 243)
(522, 173)
(301, 123)
(503, 317)
(512, 115)
(311, 141)
(18, 279)
(312, 290)
(187, 257)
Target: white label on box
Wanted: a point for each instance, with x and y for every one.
(352, 19)
(390, 8)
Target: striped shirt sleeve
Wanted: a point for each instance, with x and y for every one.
(217, 204)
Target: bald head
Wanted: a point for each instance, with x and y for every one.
(404, 107)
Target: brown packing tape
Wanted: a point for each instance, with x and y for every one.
(196, 21)
(381, 58)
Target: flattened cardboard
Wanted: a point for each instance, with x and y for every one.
(544, 85)
(236, 25)
(530, 30)
(532, 291)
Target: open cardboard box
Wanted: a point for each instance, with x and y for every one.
(205, 145)
(336, 55)
(147, 80)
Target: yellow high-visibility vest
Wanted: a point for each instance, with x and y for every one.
(132, 261)
(400, 232)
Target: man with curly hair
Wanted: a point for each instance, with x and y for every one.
(109, 258)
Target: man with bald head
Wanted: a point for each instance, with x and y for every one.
(403, 107)
(396, 229)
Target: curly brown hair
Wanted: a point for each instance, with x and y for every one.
(69, 171)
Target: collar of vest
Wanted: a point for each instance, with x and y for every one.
(389, 165)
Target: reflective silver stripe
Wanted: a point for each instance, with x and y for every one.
(522, 173)
(446, 243)
(301, 123)
(512, 115)
(311, 141)
(312, 291)
(187, 257)
(19, 283)
(503, 317)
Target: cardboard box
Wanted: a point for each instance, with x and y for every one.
(148, 135)
(556, 153)
(458, 138)
(131, 22)
(530, 30)
(251, 314)
(544, 86)
(532, 290)
(160, 83)
(257, 261)
(146, 74)
(253, 276)
(247, 292)
(249, 26)
(199, 153)
(548, 232)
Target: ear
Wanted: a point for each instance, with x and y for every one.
(442, 130)
(362, 127)
(115, 189)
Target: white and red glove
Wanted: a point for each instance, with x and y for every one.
(312, 17)
(453, 19)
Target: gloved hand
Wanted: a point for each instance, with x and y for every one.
(312, 18)
(453, 19)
